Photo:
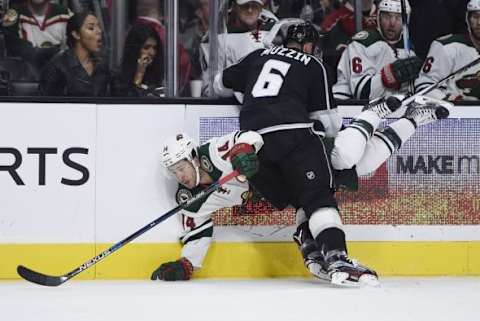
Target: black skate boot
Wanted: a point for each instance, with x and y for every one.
(425, 110)
(384, 106)
(348, 272)
(312, 256)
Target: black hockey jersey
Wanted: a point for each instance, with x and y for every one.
(282, 87)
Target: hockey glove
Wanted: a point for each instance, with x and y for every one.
(401, 71)
(244, 159)
(180, 270)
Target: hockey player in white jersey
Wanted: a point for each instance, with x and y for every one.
(358, 150)
(249, 27)
(375, 63)
(195, 168)
(451, 52)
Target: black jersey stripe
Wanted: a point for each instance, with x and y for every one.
(357, 87)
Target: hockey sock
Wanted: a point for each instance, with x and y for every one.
(383, 143)
(367, 122)
(331, 239)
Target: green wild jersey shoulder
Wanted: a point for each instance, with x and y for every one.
(367, 37)
(455, 38)
(372, 36)
(213, 159)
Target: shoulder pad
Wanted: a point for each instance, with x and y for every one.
(206, 162)
(183, 194)
(10, 18)
(367, 37)
(452, 38)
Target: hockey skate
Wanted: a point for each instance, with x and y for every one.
(384, 106)
(312, 256)
(424, 110)
(344, 271)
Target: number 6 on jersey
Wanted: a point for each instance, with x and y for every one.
(269, 83)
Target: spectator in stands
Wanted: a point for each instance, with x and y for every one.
(78, 71)
(339, 28)
(142, 68)
(444, 17)
(149, 13)
(247, 29)
(376, 63)
(36, 30)
(309, 10)
(193, 32)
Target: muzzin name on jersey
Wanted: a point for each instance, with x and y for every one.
(289, 53)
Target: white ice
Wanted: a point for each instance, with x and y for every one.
(402, 299)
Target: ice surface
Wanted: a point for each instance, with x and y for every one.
(402, 299)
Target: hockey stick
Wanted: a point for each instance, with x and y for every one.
(428, 89)
(48, 280)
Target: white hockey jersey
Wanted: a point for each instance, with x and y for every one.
(233, 46)
(41, 32)
(446, 55)
(359, 68)
(196, 220)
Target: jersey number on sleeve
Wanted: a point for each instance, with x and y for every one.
(357, 65)
(427, 66)
(269, 83)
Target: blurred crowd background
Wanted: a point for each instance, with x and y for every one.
(120, 48)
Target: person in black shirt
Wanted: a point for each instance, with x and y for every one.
(141, 70)
(78, 71)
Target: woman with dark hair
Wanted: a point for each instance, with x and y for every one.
(141, 69)
(78, 71)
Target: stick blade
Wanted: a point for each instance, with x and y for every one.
(39, 278)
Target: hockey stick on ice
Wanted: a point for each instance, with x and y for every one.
(48, 280)
(428, 89)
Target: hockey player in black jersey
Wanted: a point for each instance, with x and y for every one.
(287, 98)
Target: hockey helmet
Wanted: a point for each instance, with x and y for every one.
(472, 5)
(176, 148)
(393, 6)
(302, 33)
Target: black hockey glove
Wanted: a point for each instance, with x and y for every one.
(244, 159)
(401, 71)
(180, 270)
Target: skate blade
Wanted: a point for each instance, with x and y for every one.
(340, 278)
(369, 280)
(366, 280)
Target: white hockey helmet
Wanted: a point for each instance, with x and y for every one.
(393, 6)
(176, 148)
(472, 5)
(179, 147)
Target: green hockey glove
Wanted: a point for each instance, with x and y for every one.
(244, 159)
